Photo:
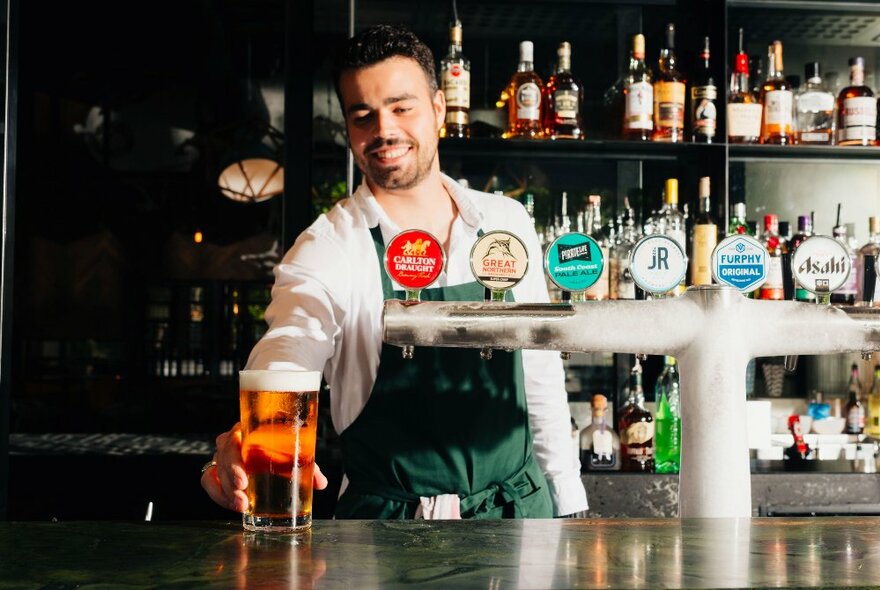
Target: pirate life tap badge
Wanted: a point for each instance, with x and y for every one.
(821, 265)
(499, 261)
(741, 262)
(574, 262)
(658, 264)
(414, 259)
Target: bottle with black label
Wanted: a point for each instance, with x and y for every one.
(455, 78)
(563, 96)
(704, 94)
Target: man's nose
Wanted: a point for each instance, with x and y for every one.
(386, 126)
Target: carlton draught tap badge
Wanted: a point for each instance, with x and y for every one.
(499, 260)
(414, 259)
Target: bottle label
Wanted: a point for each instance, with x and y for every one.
(815, 137)
(566, 104)
(456, 117)
(528, 102)
(772, 288)
(705, 240)
(705, 115)
(743, 119)
(777, 108)
(457, 86)
(855, 419)
(603, 443)
(639, 433)
(859, 119)
(639, 106)
(669, 104)
(815, 102)
(599, 290)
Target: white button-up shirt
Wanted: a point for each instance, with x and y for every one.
(326, 314)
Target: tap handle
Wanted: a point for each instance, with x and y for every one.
(869, 278)
(787, 277)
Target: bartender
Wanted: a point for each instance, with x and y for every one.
(444, 434)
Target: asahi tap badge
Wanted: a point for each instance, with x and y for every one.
(574, 263)
(414, 259)
(658, 264)
(741, 262)
(499, 261)
(821, 265)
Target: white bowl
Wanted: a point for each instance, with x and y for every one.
(829, 425)
(806, 423)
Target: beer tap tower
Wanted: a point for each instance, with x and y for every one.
(713, 331)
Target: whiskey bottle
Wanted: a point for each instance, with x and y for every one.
(669, 94)
(772, 288)
(600, 289)
(857, 109)
(743, 109)
(704, 93)
(636, 428)
(872, 423)
(704, 238)
(563, 97)
(668, 419)
(805, 230)
(600, 445)
(854, 411)
(815, 109)
(777, 98)
(524, 104)
(868, 292)
(455, 77)
(638, 95)
(622, 284)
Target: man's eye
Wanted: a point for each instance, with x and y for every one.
(362, 118)
(402, 109)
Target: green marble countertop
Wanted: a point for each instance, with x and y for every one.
(564, 553)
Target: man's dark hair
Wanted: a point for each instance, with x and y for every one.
(378, 43)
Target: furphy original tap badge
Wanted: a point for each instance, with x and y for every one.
(574, 262)
(499, 260)
(820, 264)
(658, 264)
(414, 259)
(741, 262)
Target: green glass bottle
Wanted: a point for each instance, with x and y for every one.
(668, 419)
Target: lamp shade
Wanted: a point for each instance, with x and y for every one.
(252, 180)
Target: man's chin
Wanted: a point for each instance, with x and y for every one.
(395, 180)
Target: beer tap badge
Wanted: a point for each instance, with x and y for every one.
(658, 264)
(499, 260)
(821, 264)
(574, 262)
(414, 259)
(741, 262)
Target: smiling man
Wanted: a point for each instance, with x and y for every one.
(445, 434)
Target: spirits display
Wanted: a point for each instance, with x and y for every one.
(857, 108)
(668, 419)
(777, 98)
(636, 428)
(704, 238)
(600, 445)
(805, 230)
(867, 284)
(776, 247)
(563, 97)
(704, 94)
(854, 411)
(815, 109)
(455, 78)
(524, 102)
(743, 109)
(669, 94)
(597, 231)
(638, 95)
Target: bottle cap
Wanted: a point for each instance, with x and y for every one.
(639, 46)
(811, 70)
(874, 225)
(669, 360)
(600, 402)
(805, 223)
(672, 191)
(739, 210)
(670, 36)
(527, 51)
(564, 49)
(771, 221)
(742, 64)
(858, 62)
(776, 49)
(455, 33)
(705, 186)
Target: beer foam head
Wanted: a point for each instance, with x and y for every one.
(279, 380)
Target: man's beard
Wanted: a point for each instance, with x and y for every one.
(397, 177)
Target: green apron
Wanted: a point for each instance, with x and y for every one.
(444, 422)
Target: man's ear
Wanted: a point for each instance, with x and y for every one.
(439, 103)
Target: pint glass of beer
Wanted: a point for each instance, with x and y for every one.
(279, 412)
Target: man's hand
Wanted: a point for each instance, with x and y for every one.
(226, 483)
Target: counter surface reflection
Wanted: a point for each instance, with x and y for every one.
(648, 553)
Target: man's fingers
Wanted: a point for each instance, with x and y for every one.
(212, 485)
(319, 480)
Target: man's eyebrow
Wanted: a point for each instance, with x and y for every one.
(361, 106)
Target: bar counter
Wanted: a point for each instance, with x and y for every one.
(561, 553)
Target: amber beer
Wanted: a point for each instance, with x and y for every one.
(279, 412)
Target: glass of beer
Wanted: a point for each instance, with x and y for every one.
(279, 413)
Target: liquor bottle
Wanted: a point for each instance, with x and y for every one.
(669, 94)
(668, 420)
(704, 93)
(672, 222)
(636, 428)
(799, 451)
(638, 95)
(622, 284)
(738, 224)
(563, 97)
(455, 77)
(600, 289)
(776, 96)
(854, 411)
(805, 230)
(600, 445)
(704, 238)
(872, 424)
(857, 109)
(524, 104)
(743, 109)
(776, 247)
(815, 109)
(867, 258)
(846, 294)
